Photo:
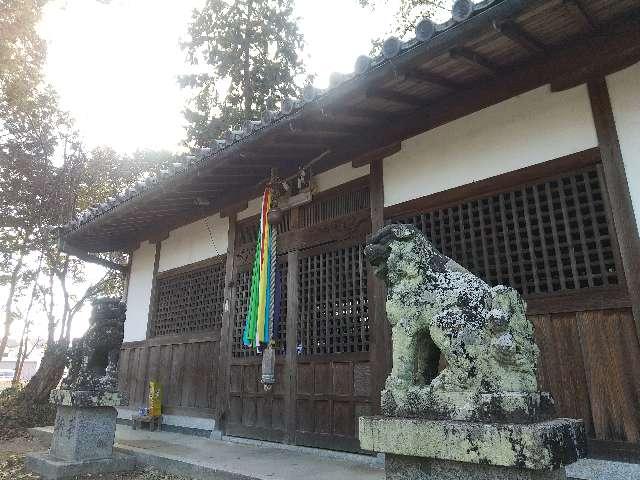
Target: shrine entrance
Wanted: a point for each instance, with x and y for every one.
(323, 347)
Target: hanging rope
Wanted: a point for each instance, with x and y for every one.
(257, 330)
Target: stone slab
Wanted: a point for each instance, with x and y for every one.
(82, 398)
(84, 433)
(398, 467)
(52, 468)
(500, 407)
(538, 446)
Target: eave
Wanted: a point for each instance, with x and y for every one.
(501, 51)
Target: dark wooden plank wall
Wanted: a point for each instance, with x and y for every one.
(185, 367)
(590, 361)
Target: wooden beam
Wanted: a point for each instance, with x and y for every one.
(260, 159)
(475, 59)
(86, 257)
(377, 292)
(153, 297)
(615, 176)
(422, 76)
(371, 157)
(232, 210)
(361, 112)
(291, 359)
(226, 330)
(412, 101)
(327, 126)
(301, 138)
(577, 10)
(516, 34)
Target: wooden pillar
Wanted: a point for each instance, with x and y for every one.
(624, 219)
(226, 330)
(292, 343)
(154, 290)
(376, 292)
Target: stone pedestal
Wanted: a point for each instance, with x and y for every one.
(418, 449)
(399, 467)
(84, 433)
(83, 436)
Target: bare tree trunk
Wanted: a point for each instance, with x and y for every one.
(8, 320)
(49, 373)
(22, 351)
(18, 370)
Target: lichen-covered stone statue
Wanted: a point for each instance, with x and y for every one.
(463, 385)
(94, 357)
(85, 423)
(436, 307)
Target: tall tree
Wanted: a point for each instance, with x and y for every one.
(28, 119)
(248, 52)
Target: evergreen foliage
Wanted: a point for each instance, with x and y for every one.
(248, 54)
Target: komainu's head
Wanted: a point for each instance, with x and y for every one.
(402, 251)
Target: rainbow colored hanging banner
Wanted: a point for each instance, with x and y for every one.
(257, 327)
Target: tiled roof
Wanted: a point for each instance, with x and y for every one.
(426, 30)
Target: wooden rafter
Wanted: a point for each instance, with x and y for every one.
(412, 101)
(422, 76)
(515, 33)
(475, 59)
(330, 126)
(577, 10)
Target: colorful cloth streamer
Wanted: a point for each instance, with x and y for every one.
(260, 314)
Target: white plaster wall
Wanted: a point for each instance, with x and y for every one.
(139, 292)
(323, 181)
(531, 128)
(624, 90)
(192, 243)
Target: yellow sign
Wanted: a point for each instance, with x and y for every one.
(155, 399)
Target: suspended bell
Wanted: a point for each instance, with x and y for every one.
(274, 216)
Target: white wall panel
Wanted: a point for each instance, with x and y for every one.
(139, 292)
(624, 90)
(528, 129)
(192, 243)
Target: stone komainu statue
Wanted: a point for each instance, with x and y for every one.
(443, 315)
(94, 357)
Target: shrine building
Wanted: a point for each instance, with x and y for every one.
(510, 135)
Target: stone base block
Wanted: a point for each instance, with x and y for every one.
(399, 467)
(84, 433)
(84, 398)
(52, 468)
(538, 446)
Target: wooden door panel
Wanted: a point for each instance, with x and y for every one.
(254, 412)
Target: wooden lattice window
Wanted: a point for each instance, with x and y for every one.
(333, 316)
(247, 232)
(190, 301)
(338, 204)
(243, 284)
(550, 236)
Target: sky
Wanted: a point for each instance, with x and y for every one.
(114, 64)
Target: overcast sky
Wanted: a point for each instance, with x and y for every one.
(115, 64)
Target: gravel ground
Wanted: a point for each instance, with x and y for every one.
(12, 454)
